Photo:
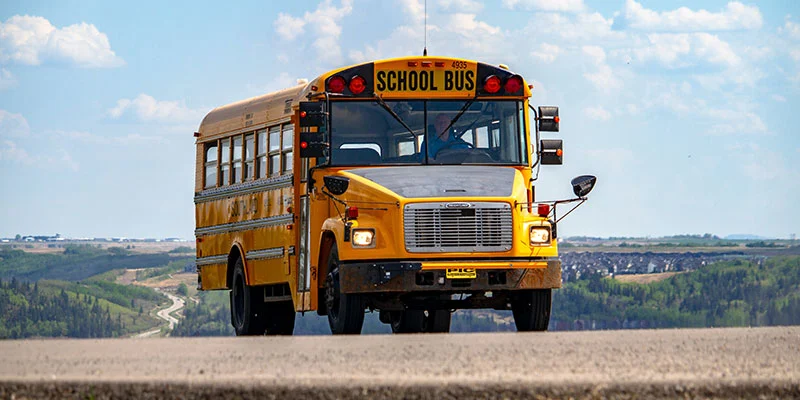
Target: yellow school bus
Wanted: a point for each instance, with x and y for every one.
(403, 186)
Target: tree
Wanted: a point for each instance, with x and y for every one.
(183, 290)
(18, 237)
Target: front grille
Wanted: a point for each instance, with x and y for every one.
(462, 227)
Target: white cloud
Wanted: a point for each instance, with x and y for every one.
(597, 113)
(546, 5)
(735, 121)
(547, 53)
(464, 6)
(147, 108)
(13, 125)
(795, 54)
(289, 27)
(581, 27)
(86, 137)
(603, 78)
(678, 50)
(34, 40)
(324, 22)
(414, 9)
(790, 29)
(9, 151)
(7, 79)
(734, 16)
(779, 98)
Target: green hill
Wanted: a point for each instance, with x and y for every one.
(89, 309)
(74, 264)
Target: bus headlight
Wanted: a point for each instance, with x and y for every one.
(363, 238)
(540, 235)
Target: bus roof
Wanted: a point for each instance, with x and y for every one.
(271, 108)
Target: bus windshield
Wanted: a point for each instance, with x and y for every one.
(449, 132)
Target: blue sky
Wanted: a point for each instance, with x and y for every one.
(688, 114)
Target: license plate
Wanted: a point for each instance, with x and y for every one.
(461, 273)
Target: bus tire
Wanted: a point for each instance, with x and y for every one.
(419, 321)
(408, 321)
(279, 318)
(437, 321)
(531, 309)
(245, 307)
(345, 311)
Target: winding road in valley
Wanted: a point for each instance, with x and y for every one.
(165, 314)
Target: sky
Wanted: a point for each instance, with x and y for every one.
(688, 115)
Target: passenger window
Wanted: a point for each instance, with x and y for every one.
(275, 150)
(225, 162)
(288, 137)
(237, 159)
(261, 157)
(249, 152)
(211, 165)
(482, 136)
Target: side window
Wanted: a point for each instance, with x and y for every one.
(482, 136)
(211, 165)
(286, 146)
(249, 152)
(275, 150)
(237, 159)
(225, 162)
(261, 151)
(406, 148)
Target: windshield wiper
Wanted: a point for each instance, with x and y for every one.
(393, 114)
(460, 113)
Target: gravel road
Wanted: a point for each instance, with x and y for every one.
(708, 363)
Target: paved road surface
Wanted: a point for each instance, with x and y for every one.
(718, 363)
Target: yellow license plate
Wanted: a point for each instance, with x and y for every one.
(461, 273)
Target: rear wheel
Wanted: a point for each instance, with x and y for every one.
(345, 311)
(245, 306)
(531, 309)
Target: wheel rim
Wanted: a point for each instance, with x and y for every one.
(238, 301)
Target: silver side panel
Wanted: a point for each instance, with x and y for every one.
(459, 227)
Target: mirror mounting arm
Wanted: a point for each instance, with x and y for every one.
(581, 199)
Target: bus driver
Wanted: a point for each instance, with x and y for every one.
(442, 138)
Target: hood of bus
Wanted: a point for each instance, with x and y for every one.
(382, 193)
(443, 181)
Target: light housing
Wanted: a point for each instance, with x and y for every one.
(513, 84)
(543, 210)
(492, 84)
(357, 84)
(540, 236)
(363, 238)
(336, 84)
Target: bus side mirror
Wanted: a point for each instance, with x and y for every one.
(583, 184)
(548, 119)
(552, 152)
(312, 115)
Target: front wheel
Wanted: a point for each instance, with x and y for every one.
(531, 309)
(345, 311)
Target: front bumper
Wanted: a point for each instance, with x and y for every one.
(425, 276)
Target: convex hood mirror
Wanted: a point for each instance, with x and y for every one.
(583, 184)
(337, 185)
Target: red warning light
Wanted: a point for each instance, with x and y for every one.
(303, 145)
(357, 84)
(543, 210)
(491, 84)
(556, 119)
(513, 84)
(352, 212)
(336, 84)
